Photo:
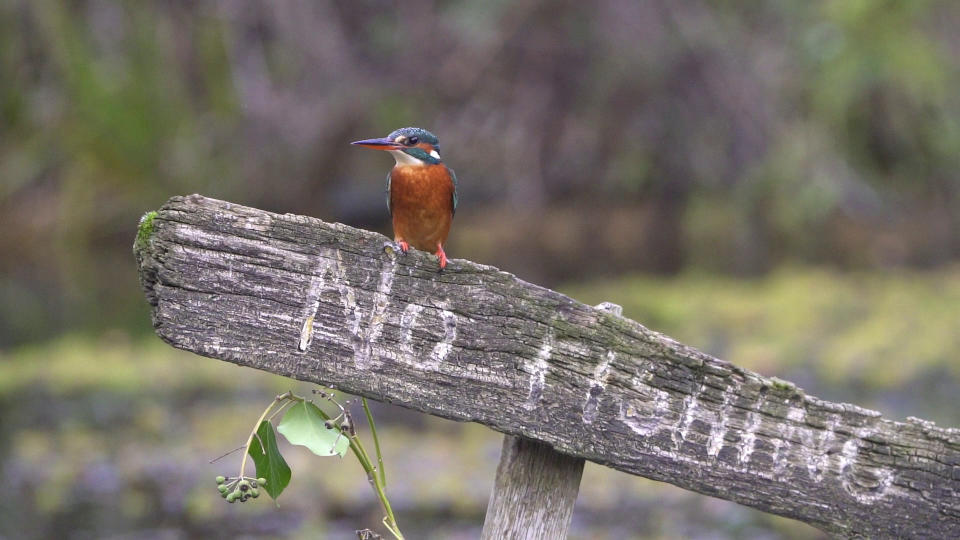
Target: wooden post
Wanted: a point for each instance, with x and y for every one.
(536, 486)
(329, 304)
(534, 493)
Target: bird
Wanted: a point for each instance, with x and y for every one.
(421, 190)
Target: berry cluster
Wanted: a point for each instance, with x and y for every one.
(239, 488)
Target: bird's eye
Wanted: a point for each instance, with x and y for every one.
(412, 141)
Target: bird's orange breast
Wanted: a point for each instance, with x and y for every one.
(421, 201)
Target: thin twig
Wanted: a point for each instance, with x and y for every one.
(216, 459)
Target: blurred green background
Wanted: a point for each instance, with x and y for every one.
(776, 183)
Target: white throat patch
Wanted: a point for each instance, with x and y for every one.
(406, 159)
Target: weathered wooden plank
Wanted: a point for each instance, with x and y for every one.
(534, 492)
(338, 306)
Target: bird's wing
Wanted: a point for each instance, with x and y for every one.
(389, 174)
(453, 177)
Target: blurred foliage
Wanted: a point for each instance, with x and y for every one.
(111, 436)
(661, 136)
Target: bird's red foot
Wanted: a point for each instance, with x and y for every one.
(404, 246)
(442, 256)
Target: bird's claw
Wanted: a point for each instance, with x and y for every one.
(442, 257)
(404, 247)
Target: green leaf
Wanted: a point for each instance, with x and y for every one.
(270, 464)
(304, 424)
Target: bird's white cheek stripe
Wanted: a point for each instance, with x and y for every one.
(434, 154)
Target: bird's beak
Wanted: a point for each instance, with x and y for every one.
(378, 144)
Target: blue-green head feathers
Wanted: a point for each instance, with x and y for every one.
(412, 136)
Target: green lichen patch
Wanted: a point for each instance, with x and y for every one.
(784, 388)
(144, 230)
(781, 384)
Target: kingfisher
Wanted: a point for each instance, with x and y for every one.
(421, 190)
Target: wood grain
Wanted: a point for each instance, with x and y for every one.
(338, 306)
(534, 492)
